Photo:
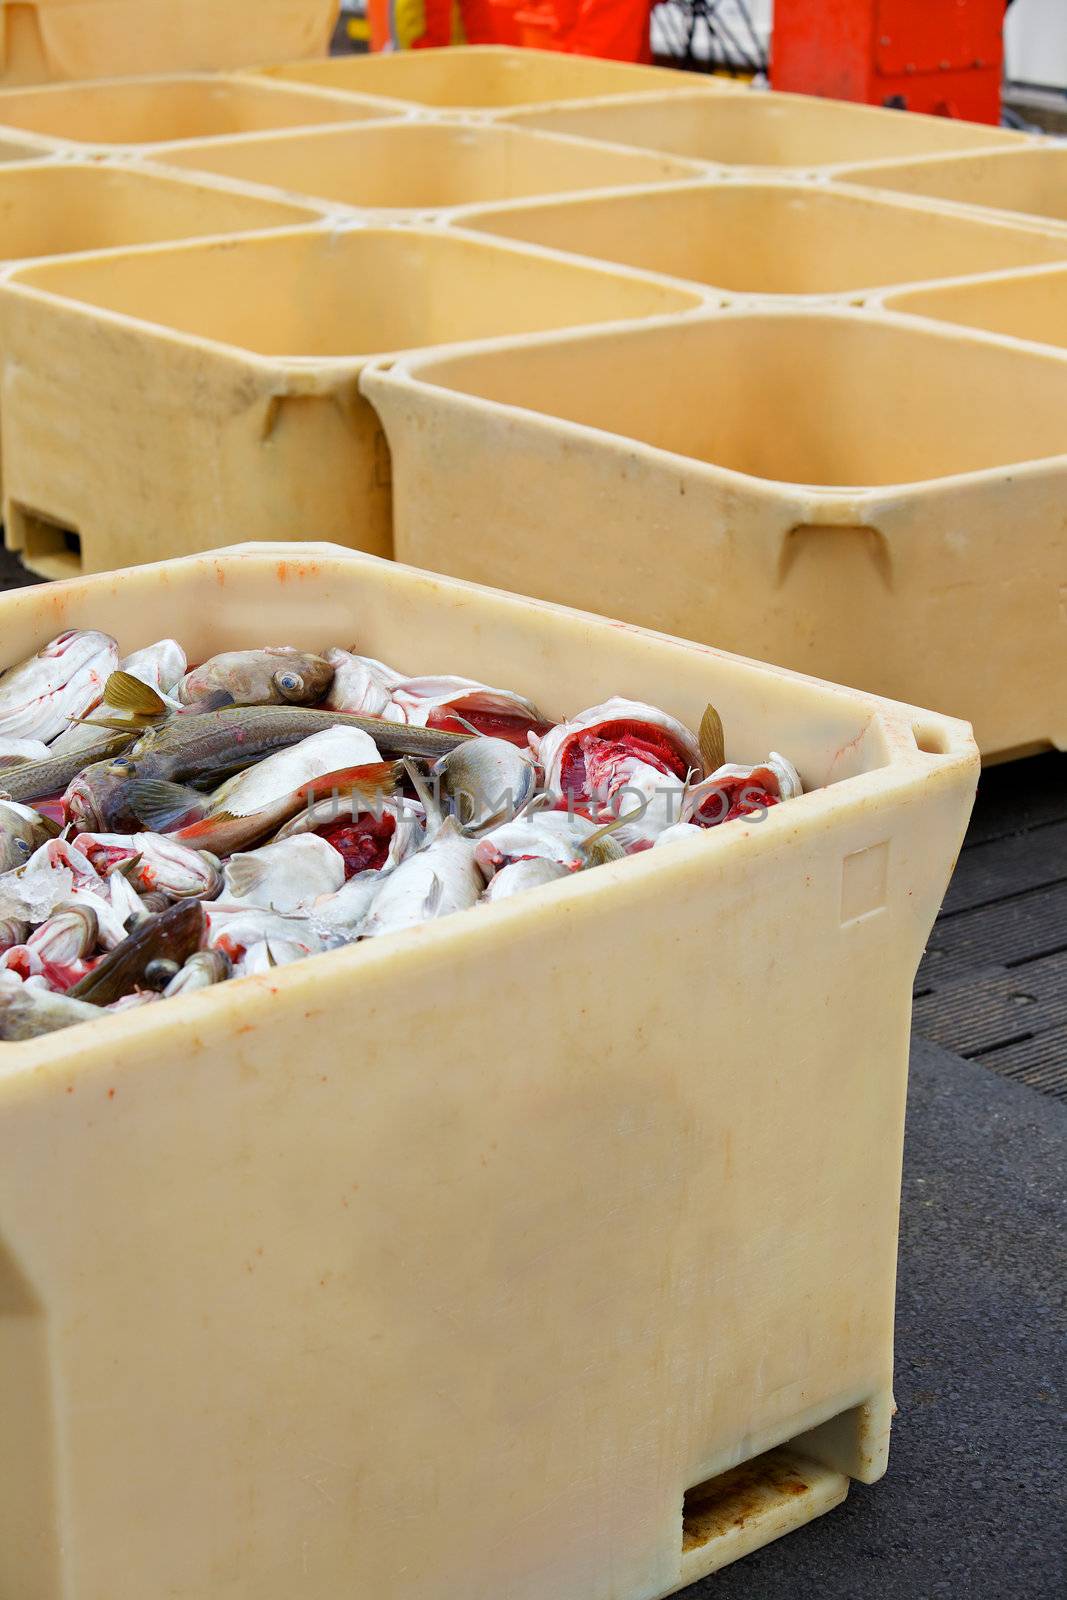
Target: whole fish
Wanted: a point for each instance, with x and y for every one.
(153, 861)
(27, 1013)
(275, 675)
(252, 805)
(532, 872)
(35, 780)
(172, 936)
(363, 685)
(40, 696)
(22, 831)
(441, 878)
(204, 747)
(486, 782)
(285, 876)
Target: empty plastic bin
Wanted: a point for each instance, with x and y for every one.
(871, 502)
(42, 40)
(479, 77)
(158, 402)
(762, 129)
(772, 237)
(57, 208)
(457, 1262)
(411, 169)
(1032, 180)
(128, 114)
(1023, 305)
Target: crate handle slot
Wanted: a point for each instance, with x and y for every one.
(51, 548)
(829, 541)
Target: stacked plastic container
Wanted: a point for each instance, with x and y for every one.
(797, 340)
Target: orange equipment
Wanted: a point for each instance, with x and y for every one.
(942, 56)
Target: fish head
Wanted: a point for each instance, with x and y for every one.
(96, 800)
(486, 782)
(304, 681)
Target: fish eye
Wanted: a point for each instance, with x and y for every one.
(23, 848)
(288, 680)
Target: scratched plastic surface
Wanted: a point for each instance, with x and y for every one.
(468, 1262)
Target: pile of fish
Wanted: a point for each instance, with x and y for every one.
(164, 829)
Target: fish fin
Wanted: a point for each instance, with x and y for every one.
(7, 762)
(431, 802)
(161, 806)
(609, 828)
(124, 869)
(127, 693)
(712, 740)
(433, 896)
(243, 874)
(371, 779)
(217, 700)
(114, 724)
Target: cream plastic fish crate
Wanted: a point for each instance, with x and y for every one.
(1030, 180)
(53, 208)
(760, 130)
(458, 1263)
(767, 236)
(422, 169)
(42, 40)
(1022, 305)
(127, 114)
(154, 401)
(483, 79)
(868, 498)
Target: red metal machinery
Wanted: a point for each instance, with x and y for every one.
(942, 56)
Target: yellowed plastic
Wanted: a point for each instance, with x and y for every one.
(411, 169)
(482, 77)
(1022, 305)
(58, 208)
(156, 401)
(770, 237)
(871, 501)
(43, 40)
(760, 129)
(448, 1263)
(1031, 179)
(128, 114)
